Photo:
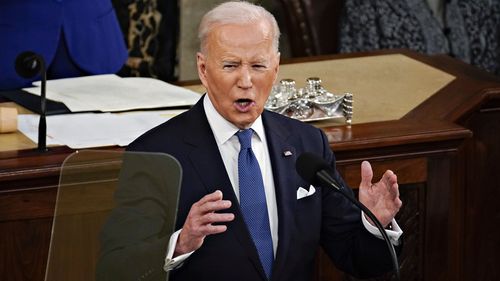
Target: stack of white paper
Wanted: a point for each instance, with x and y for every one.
(111, 93)
(86, 130)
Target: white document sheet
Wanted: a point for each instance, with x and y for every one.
(86, 130)
(111, 93)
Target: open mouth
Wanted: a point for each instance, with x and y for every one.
(244, 102)
(244, 105)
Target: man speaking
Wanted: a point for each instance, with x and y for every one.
(244, 212)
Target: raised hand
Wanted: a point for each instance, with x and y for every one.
(382, 197)
(200, 220)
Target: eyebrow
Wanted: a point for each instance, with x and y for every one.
(236, 60)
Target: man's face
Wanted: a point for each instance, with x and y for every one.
(238, 70)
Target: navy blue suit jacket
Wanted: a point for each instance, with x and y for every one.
(93, 36)
(325, 218)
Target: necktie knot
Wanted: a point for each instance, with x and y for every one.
(245, 138)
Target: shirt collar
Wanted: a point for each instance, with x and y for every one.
(222, 129)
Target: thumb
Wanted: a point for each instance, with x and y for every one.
(366, 174)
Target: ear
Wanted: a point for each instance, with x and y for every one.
(277, 66)
(202, 68)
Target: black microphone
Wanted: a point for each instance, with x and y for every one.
(28, 65)
(316, 171)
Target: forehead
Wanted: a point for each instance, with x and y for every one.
(249, 40)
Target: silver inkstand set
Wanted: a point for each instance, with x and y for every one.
(311, 103)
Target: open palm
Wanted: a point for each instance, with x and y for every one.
(382, 197)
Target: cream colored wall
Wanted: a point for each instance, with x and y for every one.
(191, 12)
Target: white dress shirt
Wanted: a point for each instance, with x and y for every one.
(229, 148)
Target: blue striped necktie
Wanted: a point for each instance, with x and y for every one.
(253, 201)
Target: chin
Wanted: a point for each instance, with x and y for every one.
(244, 119)
(245, 123)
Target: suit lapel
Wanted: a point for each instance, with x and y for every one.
(206, 160)
(283, 157)
(204, 155)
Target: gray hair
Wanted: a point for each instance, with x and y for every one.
(236, 12)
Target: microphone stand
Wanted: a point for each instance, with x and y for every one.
(28, 64)
(328, 180)
(42, 125)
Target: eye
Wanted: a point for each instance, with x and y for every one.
(229, 66)
(259, 66)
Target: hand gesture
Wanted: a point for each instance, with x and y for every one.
(382, 197)
(200, 220)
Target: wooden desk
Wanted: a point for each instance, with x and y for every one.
(444, 150)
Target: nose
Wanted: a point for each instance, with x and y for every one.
(245, 78)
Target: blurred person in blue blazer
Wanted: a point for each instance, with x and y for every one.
(75, 38)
